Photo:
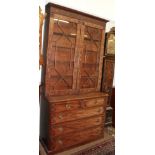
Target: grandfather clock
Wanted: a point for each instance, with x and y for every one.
(108, 72)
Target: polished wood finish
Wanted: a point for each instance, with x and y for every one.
(108, 72)
(73, 126)
(54, 8)
(73, 108)
(77, 104)
(76, 114)
(74, 55)
(79, 96)
(108, 75)
(62, 142)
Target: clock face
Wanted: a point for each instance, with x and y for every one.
(111, 44)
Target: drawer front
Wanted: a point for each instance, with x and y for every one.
(61, 143)
(68, 127)
(77, 104)
(65, 106)
(76, 114)
(94, 102)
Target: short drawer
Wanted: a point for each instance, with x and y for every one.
(76, 114)
(63, 142)
(77, 104)
(74, 126)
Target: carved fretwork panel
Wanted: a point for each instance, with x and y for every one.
(91, 58)
(61, 59)
(74, 56)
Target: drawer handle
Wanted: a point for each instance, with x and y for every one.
(60, 116)
(60, 128)
(60, 141)
(68, 106)
(95, 101)
(99, 110)
(98, 120)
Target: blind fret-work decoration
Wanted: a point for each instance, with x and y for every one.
(74, 56)
(61, 56)
(72, 106)
(90, 58)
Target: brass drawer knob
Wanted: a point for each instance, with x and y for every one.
(60, 116)
(99, 110)
(95, 101)
(98, 120)
(60, 141)
(68, 106)
(60, 128)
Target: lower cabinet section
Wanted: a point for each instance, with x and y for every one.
(78, 125)
(75, 120)
(63, 142)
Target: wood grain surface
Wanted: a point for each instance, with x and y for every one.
(62, 142)
(71, 78)
(74, 126)
(76, 114)
(77, 104)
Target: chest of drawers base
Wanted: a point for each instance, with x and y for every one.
(75, 120)
(51, 152)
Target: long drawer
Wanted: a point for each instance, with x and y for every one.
(77, 104)
(74, 126)
(76, 114)
(67, 141)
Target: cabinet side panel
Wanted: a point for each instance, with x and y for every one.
(45, 44)
(44, 118)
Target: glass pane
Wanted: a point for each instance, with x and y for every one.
(61, 55)
(90, 58)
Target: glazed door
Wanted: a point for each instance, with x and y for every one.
(91, 57)
(62, 51)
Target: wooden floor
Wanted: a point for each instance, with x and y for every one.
(109, 133)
